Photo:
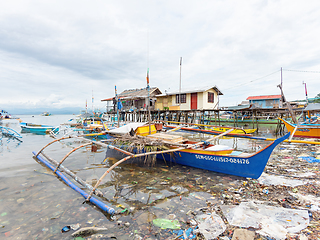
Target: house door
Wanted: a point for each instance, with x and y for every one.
(165, 102)
(194, 103)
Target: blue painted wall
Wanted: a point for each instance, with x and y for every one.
(266, 103)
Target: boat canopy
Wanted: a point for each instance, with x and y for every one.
(313, 107)
(127, 128)
(238, 108)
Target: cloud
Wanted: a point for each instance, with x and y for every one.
(58, 54)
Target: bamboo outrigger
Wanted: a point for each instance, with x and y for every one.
(195, 154)
(54, 166)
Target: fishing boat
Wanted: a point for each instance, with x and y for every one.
(246, 120)
(93, 124)
(224, 129)
(303, 130)
(223, 160)
(233, 133)
(4, 115)
(219, 129)
(37, 128)
(110, 131)
(46, 114)
(231, 115)
(215, 129)
(217, 158)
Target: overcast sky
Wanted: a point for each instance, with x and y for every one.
(60, 53)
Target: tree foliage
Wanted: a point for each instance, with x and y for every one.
(317, 100)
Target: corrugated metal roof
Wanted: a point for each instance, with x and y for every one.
(135, 93)
(264, 97)
(313, 107)
(240, 107)
(191, 90)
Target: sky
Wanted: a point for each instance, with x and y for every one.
(56, 54)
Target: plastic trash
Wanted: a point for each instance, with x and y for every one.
(274, 221)
(188, 233)
(313, 200)
(166, 223)
(75, 227)
(267, 179)
(65, 229)
(210, 225)
(310, 159)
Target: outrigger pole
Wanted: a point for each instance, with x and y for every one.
(93, 200)
(54, 166)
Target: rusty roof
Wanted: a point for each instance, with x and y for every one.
(264, 97)
(136, 93)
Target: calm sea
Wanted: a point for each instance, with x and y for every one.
(35, 204)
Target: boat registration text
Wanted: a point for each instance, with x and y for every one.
(223, 159)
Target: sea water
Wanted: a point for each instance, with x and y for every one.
(36, 204)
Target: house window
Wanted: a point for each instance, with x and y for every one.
(183, 98)
(210, 97)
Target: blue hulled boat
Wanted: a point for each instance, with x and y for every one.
(37, 128)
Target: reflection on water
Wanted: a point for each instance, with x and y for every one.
(35, 204)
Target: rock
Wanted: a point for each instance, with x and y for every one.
(88, 231)
(243, 234)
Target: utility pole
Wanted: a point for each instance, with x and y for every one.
(180, 84)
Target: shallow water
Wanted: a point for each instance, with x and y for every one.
(35, 204)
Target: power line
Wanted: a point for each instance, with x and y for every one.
(252, 80)
(289, 70)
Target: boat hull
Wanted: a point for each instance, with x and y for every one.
(250, 166)
(237, 131)
(243, 165)
(303, 131)
(38, 129)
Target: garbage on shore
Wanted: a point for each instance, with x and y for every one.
(271, 221)
(174, 202)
